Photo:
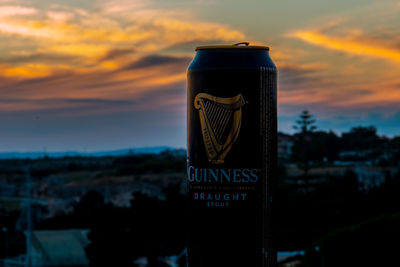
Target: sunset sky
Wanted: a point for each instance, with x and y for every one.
(108, 74)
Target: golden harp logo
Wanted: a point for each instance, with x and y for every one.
(220, 120)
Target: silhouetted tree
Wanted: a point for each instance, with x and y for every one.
(175, 226)
(88, 207)
(360, 138)
(12, 241)
(323, 146)
(112, 239)
(301, 149)
(367, 243)
(305, 123)
(162, 223)
(395, 145)
(182, 260)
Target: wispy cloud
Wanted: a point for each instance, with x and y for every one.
(60, 16)
(62, 56)
(136, 82)
(93, 35)
(299, 76)
(362, 48)
(354, 42)
(156, 60)
(6, 11)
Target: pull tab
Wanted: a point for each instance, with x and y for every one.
(242, 43)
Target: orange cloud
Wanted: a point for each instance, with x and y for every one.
(353, 45)
(358, 84)
(27, 70)
(146, 83)
(89, 36)
(88, 61)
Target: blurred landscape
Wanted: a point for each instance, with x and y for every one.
(337, 204)
(93, 106)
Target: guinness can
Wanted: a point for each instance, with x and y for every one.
(231, 158)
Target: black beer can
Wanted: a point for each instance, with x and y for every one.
(231, 156)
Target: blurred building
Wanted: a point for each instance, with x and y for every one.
(373, 176)
(290, 258)
(52, 248)
(7, 190)
(285, 144)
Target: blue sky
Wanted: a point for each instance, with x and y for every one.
(109, 74)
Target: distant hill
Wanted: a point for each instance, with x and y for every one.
(119, 152)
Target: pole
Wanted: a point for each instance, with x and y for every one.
(28, 262)
(5, 230)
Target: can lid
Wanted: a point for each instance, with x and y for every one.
(241, 45)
